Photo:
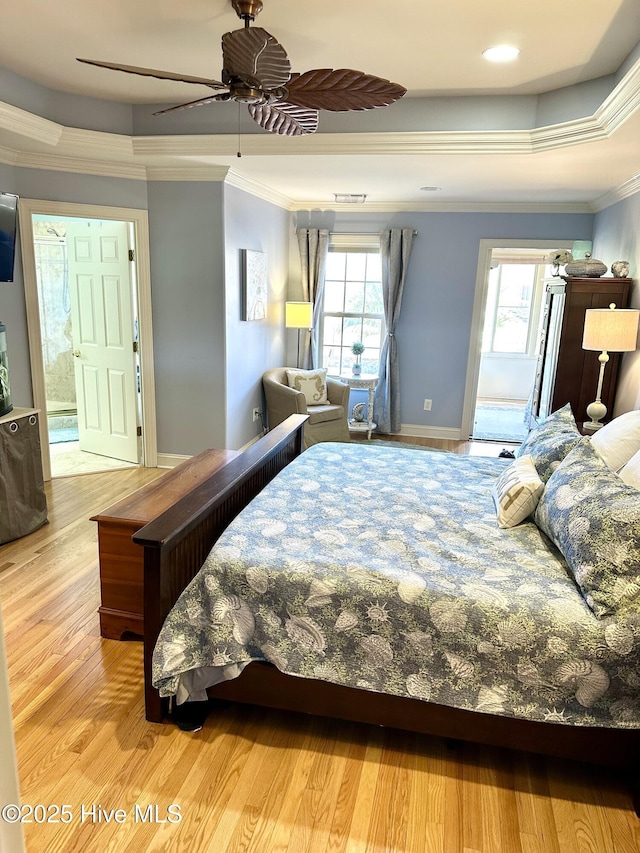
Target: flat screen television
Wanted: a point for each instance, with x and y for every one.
(8, 221)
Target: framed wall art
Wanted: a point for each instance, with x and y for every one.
(255, 285)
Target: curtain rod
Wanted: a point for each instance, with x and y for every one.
(368, 234)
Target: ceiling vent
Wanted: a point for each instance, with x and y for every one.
(350, 198)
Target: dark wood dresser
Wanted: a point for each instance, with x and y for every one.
(566, 373)
(121, 560)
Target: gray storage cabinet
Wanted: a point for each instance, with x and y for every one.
(23, 504)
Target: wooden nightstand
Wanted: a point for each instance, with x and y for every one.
(121, 560)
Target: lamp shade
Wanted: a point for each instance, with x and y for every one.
(298, 315)
(610, 329)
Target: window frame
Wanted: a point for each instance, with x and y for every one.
(350, 244)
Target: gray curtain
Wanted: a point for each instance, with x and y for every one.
(314, 245)
(395, 249)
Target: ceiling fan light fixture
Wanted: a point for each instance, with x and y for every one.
(350, 198)
(247, 94)
(501, 53)
(256, 71)
(247, 9)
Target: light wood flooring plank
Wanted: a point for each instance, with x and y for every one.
(252, 779)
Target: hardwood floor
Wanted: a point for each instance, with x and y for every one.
(252, 779)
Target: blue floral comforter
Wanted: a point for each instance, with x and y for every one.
(384, 569)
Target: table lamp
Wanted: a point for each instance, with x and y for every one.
(607, 330)
(298, 315)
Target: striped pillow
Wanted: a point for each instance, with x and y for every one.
(517, 491)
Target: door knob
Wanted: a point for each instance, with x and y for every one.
(77, 353)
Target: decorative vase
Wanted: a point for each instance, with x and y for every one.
(356, 369)
(586, 267)
(620, 269)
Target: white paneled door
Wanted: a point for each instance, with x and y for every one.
(102, 322)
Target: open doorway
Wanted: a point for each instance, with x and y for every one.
(88, 315)
(510, 339)
(505, 338)
(88, 322)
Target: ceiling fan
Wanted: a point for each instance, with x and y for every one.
(257, 72)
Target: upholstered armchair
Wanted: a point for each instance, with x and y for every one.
(327, 421)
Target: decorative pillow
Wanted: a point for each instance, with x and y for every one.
(630, 473)
(517, 491)
(594, 519)
(550, 441)
(312, 383)
(618, 440)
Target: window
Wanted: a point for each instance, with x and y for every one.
(353, 307)
(513, 309)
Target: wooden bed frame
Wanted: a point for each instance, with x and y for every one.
(175, 547)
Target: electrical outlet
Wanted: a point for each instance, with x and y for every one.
(256, 415)
(427, 405)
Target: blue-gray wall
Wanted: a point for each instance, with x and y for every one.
(616, 237)
(209, 361)
(50, 186)
(252, 346)
(435, 324)
(186, 236)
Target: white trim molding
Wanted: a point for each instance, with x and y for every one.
(422, 431)
(258, 189)
(449, 207)
(625, 190)
(485, 249)
(139, 218)
(171, 460)
(45, 144)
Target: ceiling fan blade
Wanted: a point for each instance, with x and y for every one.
(152, 72)
(221, 96)
(254, 56)
(285, 119)
(341, 90)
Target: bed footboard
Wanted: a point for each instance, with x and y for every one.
(177, 542)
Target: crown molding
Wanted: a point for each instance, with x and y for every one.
(187, 172)
(110, 146)
(622, 102)
(447, 207)
(79, 165)
(406, 142)
(28, 125)
(8, 156)
(180, 157)
(625, 190)
(617, 107)
(258, 189)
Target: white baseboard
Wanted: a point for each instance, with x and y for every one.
(421, 431)
(170, 460)
(253, 441)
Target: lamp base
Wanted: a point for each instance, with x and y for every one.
(591, 426)
(596, 411)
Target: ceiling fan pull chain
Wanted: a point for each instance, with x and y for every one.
(239, 152)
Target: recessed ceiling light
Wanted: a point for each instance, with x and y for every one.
(501, 53)
(429, 189)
